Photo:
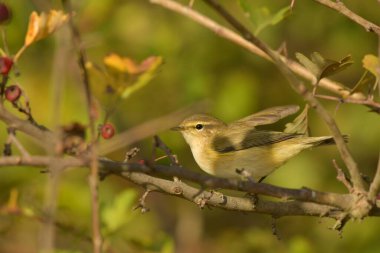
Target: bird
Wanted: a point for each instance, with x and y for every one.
(224, 150)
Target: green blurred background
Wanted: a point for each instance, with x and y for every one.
(198, 65)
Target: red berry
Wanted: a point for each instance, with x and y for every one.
(12, 93)
(6, 64)
(5, 13)
(107, 130)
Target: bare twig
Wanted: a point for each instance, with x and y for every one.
(130, 154)
(160, 144)
(93, 178)
(142, 202)
(47, 233)
(13, 139)
(340, 7)
(275, 228)
(237, 39)
(375, 185)
(41, 161)
(40, 135)
(342, 177)
(375, 106)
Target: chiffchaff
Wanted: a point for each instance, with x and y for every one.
(223, 149)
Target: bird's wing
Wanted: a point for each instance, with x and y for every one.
(234, 140)
(267, 116)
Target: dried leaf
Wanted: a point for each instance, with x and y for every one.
(332, 67)
(41, 26)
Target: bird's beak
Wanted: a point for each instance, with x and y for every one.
(177, 128)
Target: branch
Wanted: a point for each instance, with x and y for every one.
(375, 106)
(240, 41)
(277, 209)
(94, 170)
(41, 136)
(41, 161)
(342, 201)
(375, 185)
(341, 8)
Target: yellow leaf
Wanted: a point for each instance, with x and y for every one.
(372, 64)
(121, 64)
(41, 26)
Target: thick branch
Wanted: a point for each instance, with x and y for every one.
(342, 201)
(308, 202)
(277, 209)
(341, 8)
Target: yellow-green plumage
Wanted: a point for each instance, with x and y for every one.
(220, 148)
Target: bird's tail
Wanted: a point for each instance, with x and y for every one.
(323, 140)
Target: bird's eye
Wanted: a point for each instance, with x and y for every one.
(199, 127)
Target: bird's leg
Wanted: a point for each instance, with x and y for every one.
(245, 174)
(248, 176)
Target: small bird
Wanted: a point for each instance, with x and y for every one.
(224, 149)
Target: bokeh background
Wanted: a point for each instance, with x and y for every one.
(198, 66)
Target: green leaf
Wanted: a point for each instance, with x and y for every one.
(262, 17)
(321, 67)
(308, 64)
(300, 124)
(119, 212)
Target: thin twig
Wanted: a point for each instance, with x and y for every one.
(13, 139)
(142, 202)
(47, 229)
(342, 177)
(160, 144)
(93, 178)
(375, 106)
(375, 185)
(340, 7)
(237, 39)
